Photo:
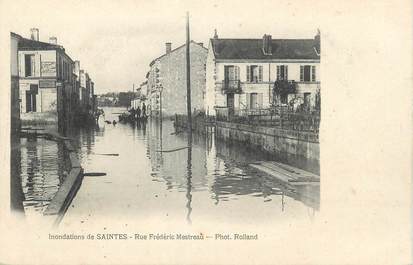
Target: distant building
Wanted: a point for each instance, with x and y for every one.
(166, 80)
(14, 92)
(241, 73)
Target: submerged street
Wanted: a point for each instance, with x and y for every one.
(148, 180)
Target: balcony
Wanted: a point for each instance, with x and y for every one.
(231, 86)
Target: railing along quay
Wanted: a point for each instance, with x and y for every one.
(279, 117)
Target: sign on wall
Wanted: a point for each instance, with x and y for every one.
(48, 68)
(47, 83)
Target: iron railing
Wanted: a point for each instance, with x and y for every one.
(231, 86)
(279, 116)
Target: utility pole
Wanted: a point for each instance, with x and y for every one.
(188, 78)
(133, 95)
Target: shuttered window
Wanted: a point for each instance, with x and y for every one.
(254, 73)
(305, 73)
(282, 72)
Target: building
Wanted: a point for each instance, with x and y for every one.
(166, 80)
(14, 92)
(259, 73)
(45, 81)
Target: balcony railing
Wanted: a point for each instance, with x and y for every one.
(231, 86)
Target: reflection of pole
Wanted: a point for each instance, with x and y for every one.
(282, 201)
(188, 104)
(188, 78)
(189, 183)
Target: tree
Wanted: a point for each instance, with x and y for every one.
(282, 88)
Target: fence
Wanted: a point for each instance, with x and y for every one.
(279, 116)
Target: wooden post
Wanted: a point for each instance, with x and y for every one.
(188, 78)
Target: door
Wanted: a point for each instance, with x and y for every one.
(33, 90)
(307, 98)
(28, 101)
(230, 103)
(253, 100)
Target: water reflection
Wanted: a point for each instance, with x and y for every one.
(174, 174)
(43, 168)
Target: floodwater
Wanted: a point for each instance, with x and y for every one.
(155, 176)
(42, 169)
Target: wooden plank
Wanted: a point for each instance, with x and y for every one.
(273, 167)
(270, 172)
(297, 170)
(286, 173)
(289, 170)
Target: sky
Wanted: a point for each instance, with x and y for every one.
(116, 40)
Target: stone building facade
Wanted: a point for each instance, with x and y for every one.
(241, 73)
(166, 80)
(49, 83)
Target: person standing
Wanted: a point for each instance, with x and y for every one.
(143, 110)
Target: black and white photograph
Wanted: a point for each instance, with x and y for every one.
(201, 124)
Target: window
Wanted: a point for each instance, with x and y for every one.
(29, 64)
(282, 72)
(307, 73)
(31, 99)
(231, 73)
(254, 73)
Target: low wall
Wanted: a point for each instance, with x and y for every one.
(271, 140)
(71, 184)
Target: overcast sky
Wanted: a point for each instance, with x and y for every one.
(116, 40)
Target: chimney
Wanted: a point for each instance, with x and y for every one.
(53, 40)
(168, 47)
(215, 34)
(34, 34)
(77, 67)
(266, 44)
(317, 41)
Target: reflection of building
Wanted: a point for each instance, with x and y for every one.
(241, 73)
(173, 166)
(167, 80)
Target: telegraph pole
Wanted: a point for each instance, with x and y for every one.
(188, 78)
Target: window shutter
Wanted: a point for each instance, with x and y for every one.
(248, 100)
(248, 73)
(278, 72)
(260, 99)
(236, 74)
(21, 65)
(260, 73)
(301, 73)
(286, 72)
(313, 73)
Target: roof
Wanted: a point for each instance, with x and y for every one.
(28, 44)
(15, 35)
(177, 48)
(252, 49)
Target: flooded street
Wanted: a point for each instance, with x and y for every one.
(149, 179)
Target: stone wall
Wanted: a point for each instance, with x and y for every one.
(271, 140)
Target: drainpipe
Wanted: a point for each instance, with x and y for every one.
(269, 83)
